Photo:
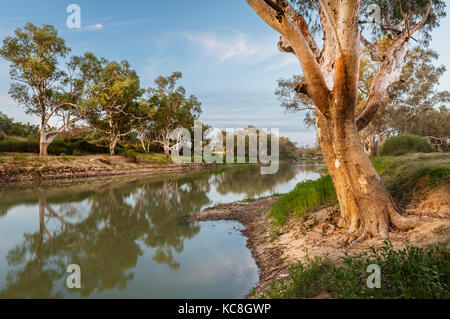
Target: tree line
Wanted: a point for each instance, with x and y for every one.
(92, 94)
(105, 95)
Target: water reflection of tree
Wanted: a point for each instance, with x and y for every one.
(104, 228)
(251, 183)
(107, 243)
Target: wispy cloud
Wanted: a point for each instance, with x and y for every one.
(93, 27)
(89, 28)
(111, 24)
(232, 45)
(282, 63)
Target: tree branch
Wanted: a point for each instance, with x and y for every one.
(390, 71)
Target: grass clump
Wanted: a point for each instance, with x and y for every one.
(305, 197)
(410, 273)
(130, 155)
(404, 144)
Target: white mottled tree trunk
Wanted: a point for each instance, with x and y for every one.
(331, 81)
(45, 140)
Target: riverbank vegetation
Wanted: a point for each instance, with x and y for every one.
(409, 273)
(404, 144)
(409, 178)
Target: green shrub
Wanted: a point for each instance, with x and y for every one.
(130, 155)
(75, 147)
(411, 273)
(405, 143)
(306, 196)
(122, 148)
(77, 153)
(14, 145)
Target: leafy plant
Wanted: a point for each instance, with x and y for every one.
(410, 273)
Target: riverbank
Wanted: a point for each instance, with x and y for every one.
(317, 233)
(276, 248)
(26, 168)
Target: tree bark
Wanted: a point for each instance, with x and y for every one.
(44, 141)
(166, 151)
(366, 206)
(370, 145)
(112, 145)
(143, 144)
(332, 84)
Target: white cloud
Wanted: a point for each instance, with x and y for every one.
(93, 27)
(233, 45)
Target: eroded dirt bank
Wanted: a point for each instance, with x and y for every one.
(275, 248)
(26, 169)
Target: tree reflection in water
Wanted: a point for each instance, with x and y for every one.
(105, 227)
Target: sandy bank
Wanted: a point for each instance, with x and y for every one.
(275, 248)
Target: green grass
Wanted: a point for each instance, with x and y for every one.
(410, 273)
(306, 196)
(403, 175)
(404, 144)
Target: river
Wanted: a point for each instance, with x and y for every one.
(128, 236)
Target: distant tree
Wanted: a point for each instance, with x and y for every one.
(38, 84)
(415, 94)
(310, 152)
(288, 149)
(11, 128)
(432, 124)
(172, 109)
(144, 124)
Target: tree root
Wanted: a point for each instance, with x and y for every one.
(352, 238)
(397, 221)
(402, 223)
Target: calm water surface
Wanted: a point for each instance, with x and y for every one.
(128, 235)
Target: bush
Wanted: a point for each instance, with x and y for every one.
(13, 145)
(306, 196)
(75, 147)
(405, 143)
(130, 155)
(419, 273)
(77, 153)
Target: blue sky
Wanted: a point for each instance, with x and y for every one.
(227, 54)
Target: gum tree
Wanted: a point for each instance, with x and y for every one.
(112, 104)
(38, 84)
(330, 80)
(172, 109)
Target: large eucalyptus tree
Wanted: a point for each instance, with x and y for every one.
(39, 83)
(330, 79)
